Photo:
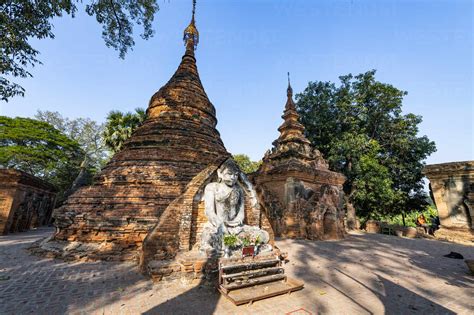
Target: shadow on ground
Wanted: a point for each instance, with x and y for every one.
(200, 299)
(388, 260)
(361, 274)
(50, 286)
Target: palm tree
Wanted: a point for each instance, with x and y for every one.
(120, 126)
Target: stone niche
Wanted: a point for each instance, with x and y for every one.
(172, 249)
(302, 206)
(25, 201)
(452, 186)
(301, 196)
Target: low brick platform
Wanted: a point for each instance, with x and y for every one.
(186, 268)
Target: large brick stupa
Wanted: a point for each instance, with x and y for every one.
(151, 184)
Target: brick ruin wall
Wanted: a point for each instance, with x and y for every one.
(115, 219)
(26, 201)
(319, 218)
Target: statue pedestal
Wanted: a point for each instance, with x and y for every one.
(196, 266)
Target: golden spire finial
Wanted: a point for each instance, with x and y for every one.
(191, 34)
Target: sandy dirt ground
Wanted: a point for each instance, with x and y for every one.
(363, 274)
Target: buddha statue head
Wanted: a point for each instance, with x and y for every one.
(228, 173)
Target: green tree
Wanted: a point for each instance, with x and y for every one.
(39, 149)
(246, 165)
(23, 20)
(359, 127)
(86, 132)
(120, 126)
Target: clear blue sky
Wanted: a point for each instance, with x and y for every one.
(247, 46)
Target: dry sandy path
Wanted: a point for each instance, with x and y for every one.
(364, 274)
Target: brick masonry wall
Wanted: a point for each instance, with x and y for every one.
(287, 219)
(25, 201)
(147, 185)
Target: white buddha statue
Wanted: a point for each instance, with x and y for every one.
(225, 209)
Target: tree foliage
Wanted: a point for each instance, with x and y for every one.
(361, 130)
(246, 165)
(23, 20)
(39, 149)
(86, 132)
(119, 127)
(409, 218)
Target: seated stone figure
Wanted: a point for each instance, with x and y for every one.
(225, 210)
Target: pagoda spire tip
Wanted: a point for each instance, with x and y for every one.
(289, 90)
(191, 34)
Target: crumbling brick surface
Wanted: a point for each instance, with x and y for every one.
(25, 201)
(301, 196)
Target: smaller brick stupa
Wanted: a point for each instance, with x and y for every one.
(301, 196)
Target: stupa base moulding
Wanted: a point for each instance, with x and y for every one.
(457, 235)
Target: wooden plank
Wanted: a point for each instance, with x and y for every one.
(262, 291)
(253, 282)
(252, 273)
(250, 265)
